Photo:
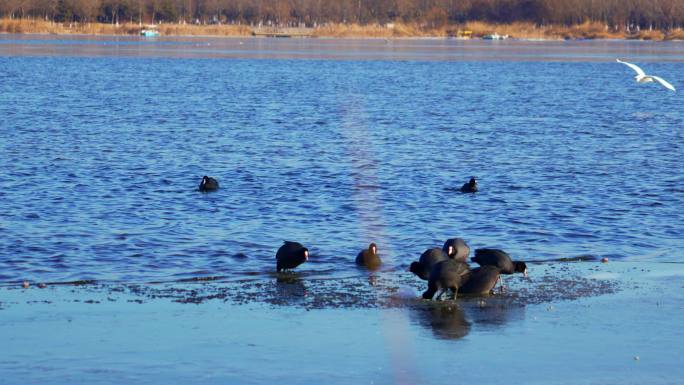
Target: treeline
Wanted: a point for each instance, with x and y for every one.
(616, 14)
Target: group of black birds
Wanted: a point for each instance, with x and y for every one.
(445, 269)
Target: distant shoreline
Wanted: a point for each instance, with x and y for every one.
(472, 30)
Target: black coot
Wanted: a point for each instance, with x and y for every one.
(427, 260)
(459, 249)
(481, 281)
(369, 257)
(469, 187)
(500, 259)
(208, 184)
(291, 255)
(447, 275)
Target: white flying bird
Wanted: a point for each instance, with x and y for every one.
(641, 76)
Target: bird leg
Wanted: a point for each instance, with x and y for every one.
(454, 293)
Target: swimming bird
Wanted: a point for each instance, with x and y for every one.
(641, 76)
(459, 249)
(500, 259)
(481, 280)
(470, 187)
(291, 255)
(428, 259)
(208, 184)
(369, 257)
(446, 275)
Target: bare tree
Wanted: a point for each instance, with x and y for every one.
(618, 14)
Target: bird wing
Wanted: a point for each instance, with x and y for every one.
(663, 82)
(638, 70)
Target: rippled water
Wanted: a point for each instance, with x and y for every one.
(103, 144)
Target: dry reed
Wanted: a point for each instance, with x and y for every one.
(676, 34)
(396, 30)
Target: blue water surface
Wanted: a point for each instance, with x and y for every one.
(335, 145)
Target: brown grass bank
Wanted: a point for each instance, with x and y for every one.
(479, 29)
(394, 30)
(47, 27)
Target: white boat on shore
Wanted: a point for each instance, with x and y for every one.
(149, 31)
(495, 36)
